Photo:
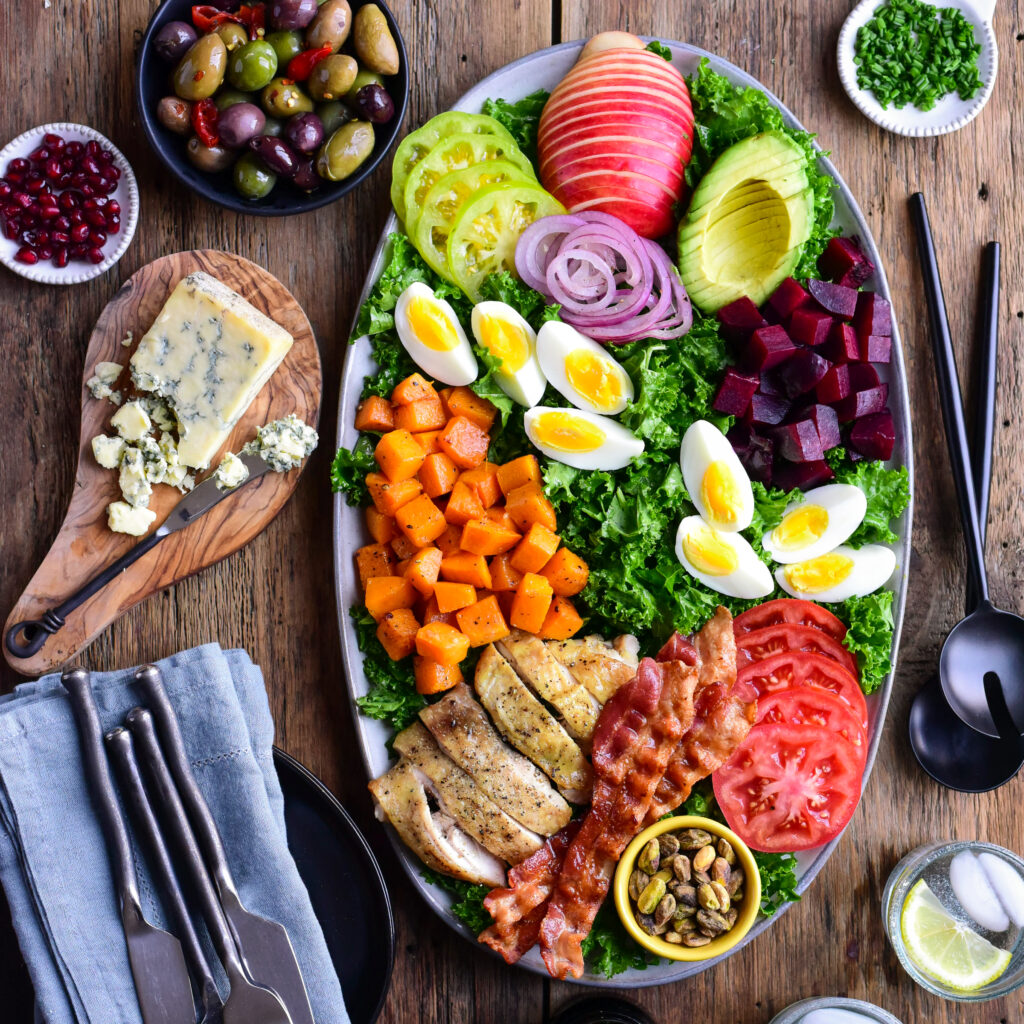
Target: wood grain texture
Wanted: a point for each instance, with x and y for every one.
(275, 596)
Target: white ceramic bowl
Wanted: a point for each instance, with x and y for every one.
(126, 193)
(797, 1011)
(950, 113)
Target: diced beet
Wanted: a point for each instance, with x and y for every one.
(862, 403)
(740, 435)
(800, 374)
(734, 395)
(754, 450)
(766, 410)
(873, 316)
(863, 376)
(844, 262)
(835, 385)
(798, 442)
(768, 347)
(874, 436)
(809, 326)
(836, 299)
(842, 345)
(740, 319)
(826, 422)
(787, 297)
(805, 475)
(876, 348)
(770, 385)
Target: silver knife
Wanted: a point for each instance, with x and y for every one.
(26, 638)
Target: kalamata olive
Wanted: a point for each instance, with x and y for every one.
(175, 114)
(291, 14)
(306, 177)
(209, 158)
(275, 153)
(173, 40)
(374, 104)
(304, 131)
(239, 123)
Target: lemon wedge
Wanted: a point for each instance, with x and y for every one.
(942, 947)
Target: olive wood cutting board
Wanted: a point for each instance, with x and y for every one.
(85, 545)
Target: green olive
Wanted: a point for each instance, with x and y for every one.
(201, 70)
(374, 43)
(330, 26)
(363, 78)
(274, 128)
(333, 115)
(233, 35)
(252, 178)
(251, 66)
(208, 158)
(282, 97)
(332, 77)
(286, 44)
(229, 97)
(345, 150)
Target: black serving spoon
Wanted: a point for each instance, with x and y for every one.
(948, 749)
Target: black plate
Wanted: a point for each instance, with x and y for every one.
(345, 884)
(151, 85)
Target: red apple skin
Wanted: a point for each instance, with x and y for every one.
(616, 135)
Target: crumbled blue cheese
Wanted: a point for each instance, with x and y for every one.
(107, 451)
(123, 518)
(159, 412)
(134, 485)
(101, 383)
(284, 443)
(153, 460)
(131, 421)
(231, 472)
(128, 339)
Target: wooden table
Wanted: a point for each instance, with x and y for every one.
(74, 60)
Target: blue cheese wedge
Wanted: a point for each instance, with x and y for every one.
(132, 421)
(284, 443)
(132, 479)
(208, 354)
(107, 451)
(123, 518)
(231, 472)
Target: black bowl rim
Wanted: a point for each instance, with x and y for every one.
(209, 187)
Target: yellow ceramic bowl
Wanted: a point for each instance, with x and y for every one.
(748, 910)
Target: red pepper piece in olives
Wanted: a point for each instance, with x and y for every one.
(275, 153)
(374, 104)
(173, 40)
(291, 14)
(306, 177)
(305, 132)
(239, 123)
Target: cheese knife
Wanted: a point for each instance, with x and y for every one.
(26, 638)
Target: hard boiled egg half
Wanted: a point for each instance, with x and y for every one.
(823, 519)
(581, 439)
(582, 371)
(725, 562)
(498, 328)
(839, 574)
(715, 479)
(432, 335)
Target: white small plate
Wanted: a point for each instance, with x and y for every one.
(126, 194)
(950, 113)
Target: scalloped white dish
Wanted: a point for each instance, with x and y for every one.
(545, 69)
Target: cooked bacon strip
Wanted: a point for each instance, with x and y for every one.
(519, 909)
(637, 732)
(678, 648)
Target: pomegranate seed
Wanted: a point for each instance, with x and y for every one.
(79, 178)
(28, 237)
(29, 218)
(42, 237)
(89, 165)
(96, 218)
(94, 255)
(68, 201)
(45, 251)
(26, 255)
(60, 257)
(60, 238)
(75, 149)
(76, 217)
(113, 223)
(53, 169)
(33, 184)
(62, 224)
(113, 171)
(87, 189)
(23, 199)
(98, 182)
(114, 207)
(48, 212)
(98, 203)
(64, 180)
(39, 156)
(106, 157)
(79, 233)
(78, 251)
(93, 148)
(5, 189)
(19, 166)
(15, 177)
(53, 140)
(98, 237)
(12, 228)
(110, 187)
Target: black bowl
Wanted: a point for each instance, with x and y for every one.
(151, 85)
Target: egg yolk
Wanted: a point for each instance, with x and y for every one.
(721, 494)
(802, 527)
(431, 325)
(708, 553)
(567, 433)
(594, 378)
(505, 341)
(819, 574)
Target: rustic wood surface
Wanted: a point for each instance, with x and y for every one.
(73, 60)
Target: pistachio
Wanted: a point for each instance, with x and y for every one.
(669, 845)
(665, 875)
(647, 924)
(684, 925)
(700, 878)
(684, 894)
(651, 896)
(637, 883)
(736, 898)
(665, 909)
(722, 893)
(704, 858)
(711, 923)
(735, 883)
(708, 898)
(683, 912)
(721, 871)
(731, 916)
(726, 852)
(695, 940)
(681, 867)
(650, 857)
(674, 937)
(693, 838)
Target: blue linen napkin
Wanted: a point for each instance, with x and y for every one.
(53, 861)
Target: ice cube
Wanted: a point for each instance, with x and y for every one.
(975, 892)
(1008, 884)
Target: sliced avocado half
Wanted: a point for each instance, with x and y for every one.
(748, 221)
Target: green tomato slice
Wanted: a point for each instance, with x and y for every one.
(416, 145)
(483, 237)
(444, 200)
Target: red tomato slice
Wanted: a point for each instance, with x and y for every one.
(788, 609)
(809, 705)
(789, 787)
(759, 644)
(798, 668)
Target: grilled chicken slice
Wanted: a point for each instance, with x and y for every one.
(530, 727)
(552, 682)
(602, 667)
(465, 734)
(464, 800)
(433, 835)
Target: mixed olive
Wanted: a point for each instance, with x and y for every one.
(267, 91)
